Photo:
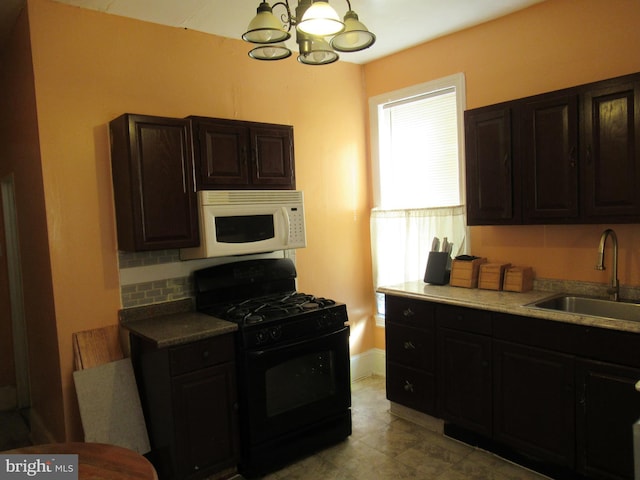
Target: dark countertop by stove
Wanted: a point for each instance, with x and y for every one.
(173, 323)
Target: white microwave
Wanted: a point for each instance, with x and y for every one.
(241, 222)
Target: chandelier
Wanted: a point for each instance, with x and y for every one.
(320, 33)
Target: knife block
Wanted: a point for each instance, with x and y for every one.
(438, 268)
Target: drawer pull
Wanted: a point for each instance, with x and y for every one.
(409, 346)
(408, 386)
(408, 313)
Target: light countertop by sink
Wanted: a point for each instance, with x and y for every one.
(513, 303)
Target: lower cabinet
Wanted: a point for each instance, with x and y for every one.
(608, 405)
(557, 397)
(464, 368)
(188, 395)
(411, 361)
(534, 402)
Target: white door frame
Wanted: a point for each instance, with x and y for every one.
(19, 327)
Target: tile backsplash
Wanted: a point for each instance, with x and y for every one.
(156, 290)
(160, 276)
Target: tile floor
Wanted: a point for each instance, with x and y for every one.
(384, 446)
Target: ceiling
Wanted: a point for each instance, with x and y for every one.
(397, 24)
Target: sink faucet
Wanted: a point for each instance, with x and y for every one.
(614, 289)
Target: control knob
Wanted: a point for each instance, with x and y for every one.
(262, 336)
(275, 332)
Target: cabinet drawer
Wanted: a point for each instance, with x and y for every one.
(201, 354)
(601, 344)
(411, 388)
(411, 347)
(465, 319)
(416, 313)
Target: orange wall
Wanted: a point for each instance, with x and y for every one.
(551, 45)
(91, 67)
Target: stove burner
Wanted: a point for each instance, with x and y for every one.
(270, 307)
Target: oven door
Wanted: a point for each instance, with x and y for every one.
(293, 386)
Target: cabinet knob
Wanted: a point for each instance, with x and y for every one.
(409, 345)
(638, 386)
(408, 386)
(205, 354)
(408, 313)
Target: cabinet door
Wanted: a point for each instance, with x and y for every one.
(608, 407)
(534, 402)
(464, 379)
(489, 167)
(205, 420)
(152, 169)
(272, 156)
(611, 149)
(549, 152)
(222, 154)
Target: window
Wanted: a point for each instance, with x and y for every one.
(417, 151)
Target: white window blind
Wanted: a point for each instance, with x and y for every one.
(419, 152)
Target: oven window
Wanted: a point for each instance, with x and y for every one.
(300, 381)
(244, 228)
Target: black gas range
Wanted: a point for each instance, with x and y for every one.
(292, 356)
(260, 296)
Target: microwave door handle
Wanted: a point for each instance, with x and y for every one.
(285, 216)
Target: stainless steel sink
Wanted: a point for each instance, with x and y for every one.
(594, 307)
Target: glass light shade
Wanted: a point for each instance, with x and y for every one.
(273, 51)
(320, 53)
(265, 27)
(355, 36)
(320, 20)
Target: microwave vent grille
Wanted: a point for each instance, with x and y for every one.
(249, 197)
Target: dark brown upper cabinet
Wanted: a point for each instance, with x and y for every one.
(489, 166)
(234, 154)
(575, 157)
(549, 153)
(611, 149)
(152, 171)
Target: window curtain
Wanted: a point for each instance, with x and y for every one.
(401, 241)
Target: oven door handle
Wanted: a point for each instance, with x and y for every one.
(259, 353)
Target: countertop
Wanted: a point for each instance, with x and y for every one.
(513, 303)
(173, 323)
